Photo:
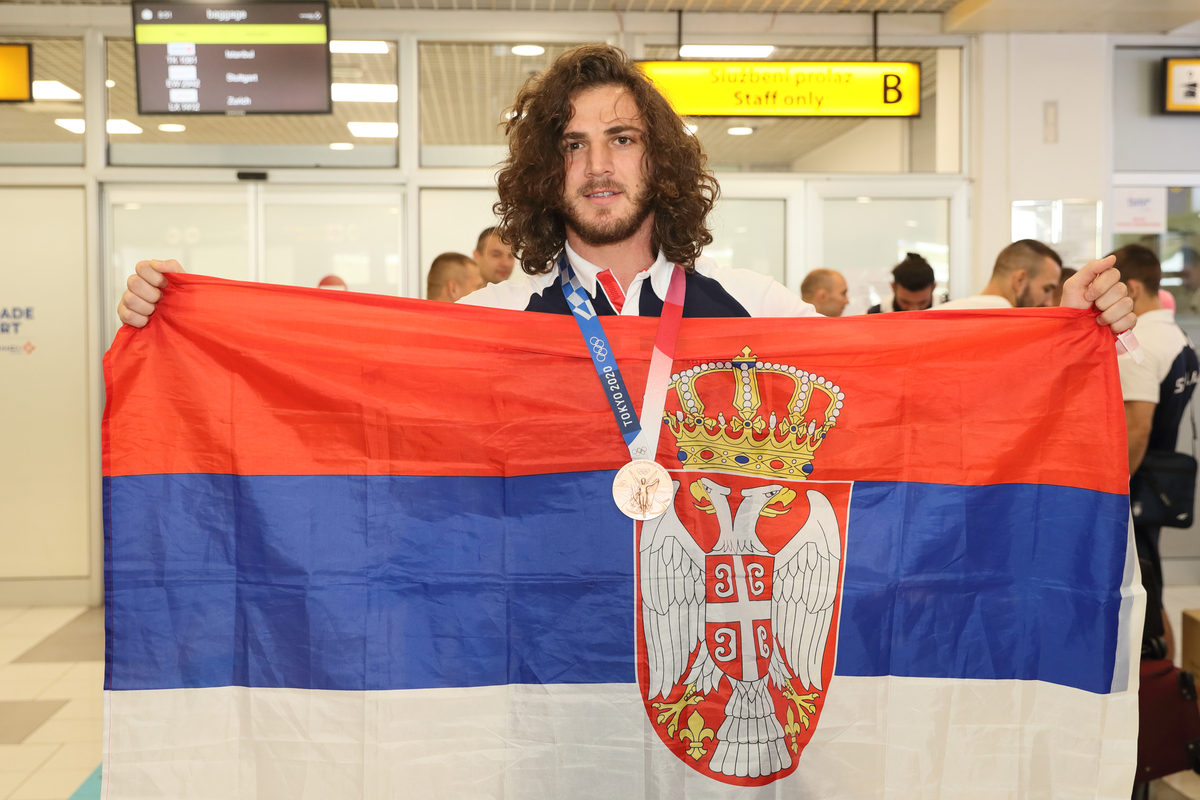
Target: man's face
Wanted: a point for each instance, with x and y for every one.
(468, 279)
(473, 279)
(495, 261)
(604, 195)
(833, 301)
(908, 300)
(1039, 289)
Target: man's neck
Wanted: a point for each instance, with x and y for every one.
(1146, 303)
(996, 289)
(624, 259)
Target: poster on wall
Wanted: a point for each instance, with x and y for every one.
(1140, 210)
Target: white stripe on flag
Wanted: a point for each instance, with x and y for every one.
(877, 738)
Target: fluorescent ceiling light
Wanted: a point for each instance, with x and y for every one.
(110, 83)
(374, 130)
(341, 146)
(740, 131)
(73, 125)
(863, 199)
(53, 90)
(172, 127)
(348, 46)
(122, 126)
(528, 50)
(364, 93)
(725, 50)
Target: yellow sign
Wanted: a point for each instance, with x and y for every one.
(232, 34)
(16, 73)
(789, 88)
(1182, 84)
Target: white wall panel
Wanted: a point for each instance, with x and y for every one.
(43, 384)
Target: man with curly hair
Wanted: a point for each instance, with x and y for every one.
(601, 168)
(602, 173)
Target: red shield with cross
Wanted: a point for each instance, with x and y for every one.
(740, 580)
(737, 614)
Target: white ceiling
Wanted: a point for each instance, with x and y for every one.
(1094, 16)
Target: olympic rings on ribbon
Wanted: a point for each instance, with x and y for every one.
(598, 348)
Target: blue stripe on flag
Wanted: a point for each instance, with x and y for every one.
(352, 583)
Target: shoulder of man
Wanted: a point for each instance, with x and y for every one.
(511, 295)
(1160, 343)
(761, 295)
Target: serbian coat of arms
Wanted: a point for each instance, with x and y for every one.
(739, 582)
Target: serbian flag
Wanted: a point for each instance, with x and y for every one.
(361, 546)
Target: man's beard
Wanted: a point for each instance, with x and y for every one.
(609, 229)
(1025, 299)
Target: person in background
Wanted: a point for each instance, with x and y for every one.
(913, 283)
(493, 256)
(1189, 273)
(826, 291)
(453, 276)
(1156, 392)
(1026, 275)
(1067, 272)
(333, 282)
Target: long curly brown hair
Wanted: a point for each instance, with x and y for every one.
(531, 180)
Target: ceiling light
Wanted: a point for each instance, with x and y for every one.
(172, 127)
(725, 50)
(348, 46)
(364, 93)
(528, 50)
(73, 125)
(110, 83)
(691, 129)
(374, 130)
(740, 131)
(53, 90)
(121, 126)
(863, 199)
(341, 146)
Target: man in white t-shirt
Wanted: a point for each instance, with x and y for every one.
(603, 173)
(1025, 276)
(1156, 391)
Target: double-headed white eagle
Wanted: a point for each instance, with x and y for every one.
(750, 742)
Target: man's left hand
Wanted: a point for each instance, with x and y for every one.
(1100, 284)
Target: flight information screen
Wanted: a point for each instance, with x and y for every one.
(255, 58)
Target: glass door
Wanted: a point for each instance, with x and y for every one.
(863, 229)
(294, 235)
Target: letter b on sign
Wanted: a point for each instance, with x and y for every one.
(891, 88)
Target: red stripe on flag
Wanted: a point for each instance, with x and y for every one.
(254, 379)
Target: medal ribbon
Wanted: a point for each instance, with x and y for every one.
(641, 436)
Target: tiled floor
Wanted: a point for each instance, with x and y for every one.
(51, 691)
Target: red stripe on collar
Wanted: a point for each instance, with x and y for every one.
(616, 296)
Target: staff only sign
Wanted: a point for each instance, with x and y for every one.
(789, 88)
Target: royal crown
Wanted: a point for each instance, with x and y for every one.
(724, 418)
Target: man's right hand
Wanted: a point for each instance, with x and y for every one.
(145, 290)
